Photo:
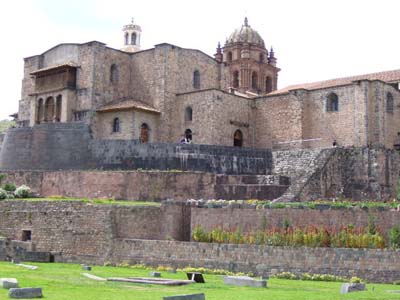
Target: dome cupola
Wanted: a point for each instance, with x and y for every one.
(245, 35)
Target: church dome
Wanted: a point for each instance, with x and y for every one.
(246, 34)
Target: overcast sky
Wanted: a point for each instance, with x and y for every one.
(313, 40)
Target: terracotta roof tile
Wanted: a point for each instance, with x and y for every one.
(128, 104)
(387, 76)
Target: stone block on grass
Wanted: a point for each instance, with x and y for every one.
(155, 274)
(8, 283)
(244, 281)
(352, 287)
(195, 276)
(25, 293)
(186, 297)
(86, 268)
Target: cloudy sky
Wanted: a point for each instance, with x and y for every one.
(313, 40)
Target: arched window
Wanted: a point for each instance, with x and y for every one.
(116, 126)
(188, 114)
(261, 57)
(332, 102)
(229, 57)
(114, 73)
(39, 116)
(133, 38)
(188, 135)
(235, 81)
(268, 84)
(58, 108)
(254, 80)
(126, 38)
(196, 79)
(389, 103)
(238, 138)
(144, 133)
(49, 110)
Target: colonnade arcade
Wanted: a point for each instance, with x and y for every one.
(48, 109)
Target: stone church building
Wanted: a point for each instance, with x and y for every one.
(231, 99)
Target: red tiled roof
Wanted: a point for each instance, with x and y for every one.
(128, 104)
(387, 76)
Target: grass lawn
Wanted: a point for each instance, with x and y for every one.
(64, 281)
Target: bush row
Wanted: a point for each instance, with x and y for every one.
(309, 236)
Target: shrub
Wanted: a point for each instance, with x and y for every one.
(23, 191)
(397, 282)
(124, 264)
(2, 177)
(355, 279)
(9, 187)
(3, 194)
(394, 237)
(286, 275)
(199, 234)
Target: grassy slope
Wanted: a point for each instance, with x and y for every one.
(64, 281)
(5, 124)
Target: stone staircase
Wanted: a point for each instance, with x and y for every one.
(299, 166)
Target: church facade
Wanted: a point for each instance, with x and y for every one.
(231, 99)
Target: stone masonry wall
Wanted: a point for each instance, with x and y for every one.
(46, 146)
(149, 186)
(356, 173)
(122, 154)
(65, 146)
(130, 122)
(88, 233)
(278, 122)
(372, 265)
(84, 230)
(216, 117)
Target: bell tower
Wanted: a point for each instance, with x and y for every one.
(252, 68)
(131, 37)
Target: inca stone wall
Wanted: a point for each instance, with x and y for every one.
(355, 173)
(81, 230)
(149, 185)
(372, 265)
(66, 146)
(88, 233)
(46, 146)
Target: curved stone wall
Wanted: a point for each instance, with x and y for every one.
(66, 146)
(46, 147)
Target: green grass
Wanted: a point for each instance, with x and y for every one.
(92, 201)
(5, 124)
(64, 281)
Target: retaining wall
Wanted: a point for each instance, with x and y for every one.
(149, 185)
(372, 265)
(69, 146)
(87, 233)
